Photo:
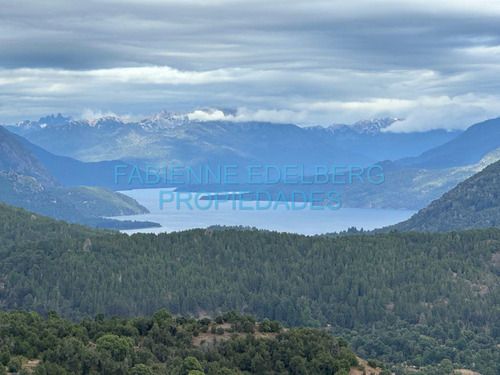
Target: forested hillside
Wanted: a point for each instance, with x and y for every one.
(161, 344)
(14, 157)
(26, 182)
(411, 297)
(474, 203)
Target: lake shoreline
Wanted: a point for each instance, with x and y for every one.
(306, 221)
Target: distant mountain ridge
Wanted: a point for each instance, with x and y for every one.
(368, 136)
(168, 137)
(467, 148)
(26, 182)
(369, 126)
(14, 157)
(474, 203)
(81, 173)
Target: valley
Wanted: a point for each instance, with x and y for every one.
(218, 187)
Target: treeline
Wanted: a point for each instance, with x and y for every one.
(439, 292)
(162, 344)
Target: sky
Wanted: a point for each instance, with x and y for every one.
(434, 63)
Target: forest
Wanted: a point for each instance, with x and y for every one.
(474, 203)
(163, 344)
(415, 298)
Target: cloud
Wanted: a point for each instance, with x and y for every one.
(213, 115)
(315, 62)
(246, 115)
(161, 75)
(443, 112)
(372, 106)
(90, 114)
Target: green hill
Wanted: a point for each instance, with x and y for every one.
(15, 157)
(25, 182)
(474, 203)
(162, 344)
(400, 297)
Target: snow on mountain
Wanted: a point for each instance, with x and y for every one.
(166, 120)
(369, 126)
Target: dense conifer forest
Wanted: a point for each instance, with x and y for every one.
(162, 344)
(474, 203)
(413, 298)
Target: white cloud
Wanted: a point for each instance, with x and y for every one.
(318, 62)
(90, 114)
(445, 112)
(372, 106)
(214, 115)
(162, 75)
(64, 78)
(244, 114)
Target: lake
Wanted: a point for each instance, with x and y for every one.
(305, 221)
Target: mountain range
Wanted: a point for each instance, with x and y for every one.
(16, 158)
(26, 182)
(413, 183)
(465, 149)
(424, 300)
(474, 203)
(418, 167)
(371, 138)
(71, 172)
(168, 138)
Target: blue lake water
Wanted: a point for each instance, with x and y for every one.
(306, 221)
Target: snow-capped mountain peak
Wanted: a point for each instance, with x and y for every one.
(369, 126)
(373, 125)
(164, 120)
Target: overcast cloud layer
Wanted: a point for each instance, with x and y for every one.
(435, 63)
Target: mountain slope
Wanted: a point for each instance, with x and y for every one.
(414, 297)
(14, 157)
(185, 143)
(411, 188)
(474, 203)
(168, 138)
(25, 182)
(403, 188)
(467, 148)
(369, 138)
(72, 172)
